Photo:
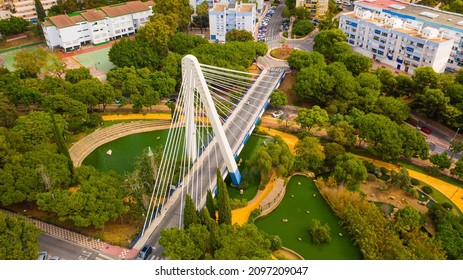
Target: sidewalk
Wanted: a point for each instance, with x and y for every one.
(114, 251)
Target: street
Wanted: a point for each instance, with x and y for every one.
(67, 250)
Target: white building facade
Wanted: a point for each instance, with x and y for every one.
(224, 17)
(405, 36)
(95, 26)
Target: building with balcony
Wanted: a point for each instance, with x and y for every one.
(224, 17)
(317, 8)
(95, 26)
(23, 8)
(404, 35)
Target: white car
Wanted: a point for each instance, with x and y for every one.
(277, 114)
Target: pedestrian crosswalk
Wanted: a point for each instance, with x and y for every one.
(156, 258)
(272, 38)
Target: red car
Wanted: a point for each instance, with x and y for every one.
(426, 130)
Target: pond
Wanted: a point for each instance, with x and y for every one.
(301, 204)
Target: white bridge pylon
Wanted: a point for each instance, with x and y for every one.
(194, 78)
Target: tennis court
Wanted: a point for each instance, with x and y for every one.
(8, 58)
(98, 59)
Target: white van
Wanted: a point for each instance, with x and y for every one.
(346, 3)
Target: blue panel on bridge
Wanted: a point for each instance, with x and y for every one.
(235, 177)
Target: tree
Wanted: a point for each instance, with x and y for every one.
(332, 151)
(239, 35)
(18, 239)
(61, 145)
(315, 116)
(357, 63)
(72, 111)
(30, 63)
(223, 201)
(40, 11)
(98, 200)
(343, 133)
(349, 171)
(432, 103)
(382, 136)
(302, 27)
(442, 161)
(190, 215)
(8, 114)
(278, 99)
(320, 233)
(324, 41)
(369, 80)
(202, 10)
(413, 142)
(301, 13)
(299, 59)
(13, 25)
(408, 219)
(158, 31)
(314, 83)
(458, 168)
(37, 127)
(182, 43)
(55, 65)
(400, 180)
(395, 108)
(309, 154)
(179, 10)
(210, 205)
(76, 75)
(425, 77)
(137, 53)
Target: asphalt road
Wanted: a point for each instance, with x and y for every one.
(236, 128)
(67, 250)
(273, 27)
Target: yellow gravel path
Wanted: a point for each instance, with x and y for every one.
(155, 116)
(241, 215)
(290, 139)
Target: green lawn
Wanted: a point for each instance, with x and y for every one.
(297, 201)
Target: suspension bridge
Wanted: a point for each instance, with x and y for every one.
(215, 114)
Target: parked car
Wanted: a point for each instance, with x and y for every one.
(277, 114)
(426, 130)
(55, 258)
(144, 253)
(42, 256)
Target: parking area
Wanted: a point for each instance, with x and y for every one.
(262, 32)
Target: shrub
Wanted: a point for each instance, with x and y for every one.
(414, 182)
(369, 166)
(254, 214)
(447, 206)
(320, 233)
(413, 193)
(275, 243)
(238, 203)
(384, 170)
(427, 189)
(371, 178)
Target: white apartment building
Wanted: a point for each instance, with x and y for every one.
(317, 8)
(404, 35)
(96, 26)
(259, 3)
(224, 17)
(24, 8)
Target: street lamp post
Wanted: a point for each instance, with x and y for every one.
(456, 133)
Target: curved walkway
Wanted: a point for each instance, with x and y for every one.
(452, 192)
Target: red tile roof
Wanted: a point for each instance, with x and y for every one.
(93, 15)
(128, 8)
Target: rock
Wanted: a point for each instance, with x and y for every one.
(308, 212)
(292, 195)
(300, 239)
(340, 234)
